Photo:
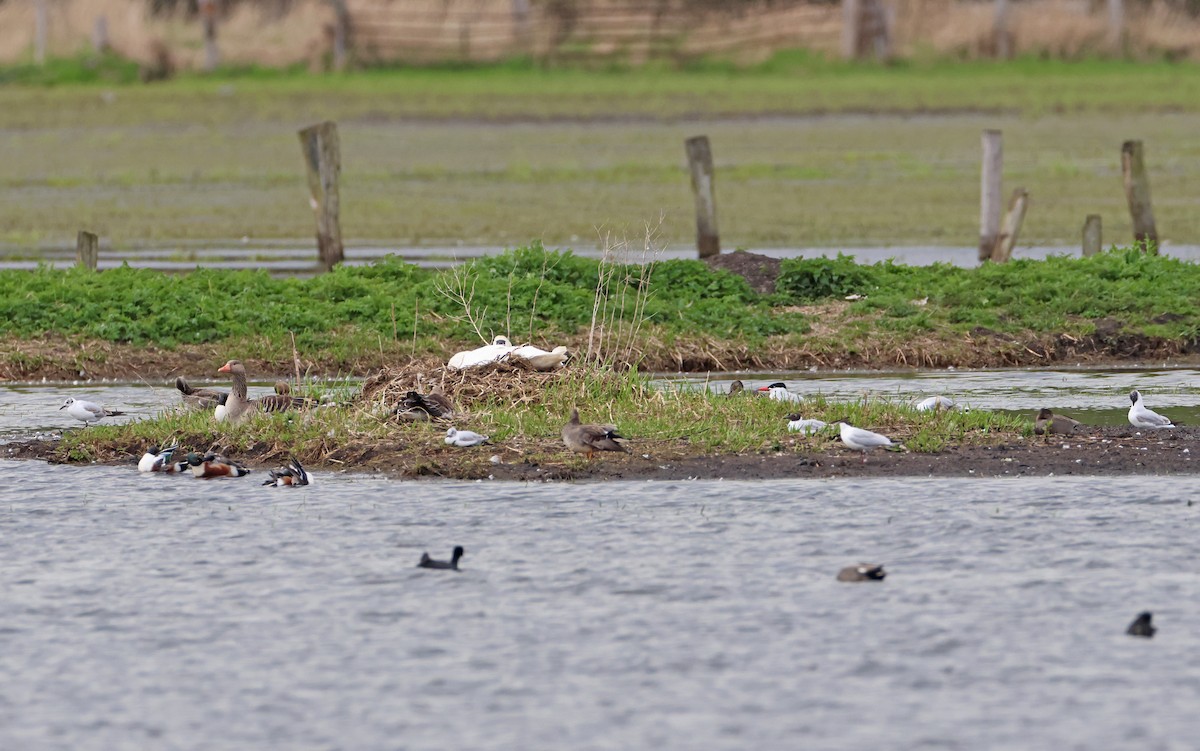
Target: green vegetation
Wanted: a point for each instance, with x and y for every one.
(668, 423)
(665, 315)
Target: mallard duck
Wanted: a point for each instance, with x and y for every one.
(863, 572)
(427, 562)
(1141, 417)
(416, 407)
(588, 439)
(1047, 422)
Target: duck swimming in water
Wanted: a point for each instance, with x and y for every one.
(452, 564)
(863, 572)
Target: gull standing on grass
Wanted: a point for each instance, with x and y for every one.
(87, 412)
(862, 440)
(1141, 417)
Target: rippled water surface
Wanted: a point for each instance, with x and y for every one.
(146, 612)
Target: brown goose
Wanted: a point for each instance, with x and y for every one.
(863, 572)
(1047, 422)
(588, 439)
(417, 407)
(239, 404)
(200, 398)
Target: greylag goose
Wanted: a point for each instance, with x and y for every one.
(588, 439)
(238, 405)
(427, 562)
(201, 398)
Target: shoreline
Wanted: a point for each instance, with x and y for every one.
(1102, 451)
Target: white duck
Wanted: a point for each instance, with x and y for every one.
(540, 359)
(779, 392)
(1141, 417)
(862, 440)
(463, 438)
(87, 412)
(498, 349)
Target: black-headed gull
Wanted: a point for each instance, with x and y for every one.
(87, 412)
(588, 439)
(936, 404)
(1047, 422)
(452, 564)
(861, 440)
(293, 475)
(463, 438)
(1141, 417)
(798, 424)
(155, 460)
(779, 392)
(863, 572)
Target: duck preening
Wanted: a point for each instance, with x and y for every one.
(238, 406)
(416, 407)
(863, 572)
(588, 439)
(1142, 625)
(937, 403)
(155, 460)
(87, 412)
(1047, 422)
(736, 388)
(293, 475)
(215, 465)
(201, 398)
(427, 562)
(1142, 417)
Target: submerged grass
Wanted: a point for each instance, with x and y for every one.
(662, 424)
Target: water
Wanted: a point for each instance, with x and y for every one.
(167, 612)
(289, 257)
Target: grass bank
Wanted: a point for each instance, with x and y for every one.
(523, 414)
(670, 315)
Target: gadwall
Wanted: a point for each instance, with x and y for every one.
(588, 439)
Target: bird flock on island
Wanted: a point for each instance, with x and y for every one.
(235, 405)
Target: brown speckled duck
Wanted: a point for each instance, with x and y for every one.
(588, 439)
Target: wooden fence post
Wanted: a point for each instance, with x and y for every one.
(1137, 192)
(341, 33)
(41, 19)
(1001, 36)
(1116, 25)
(208, 16)
(1091, 235)
(989, 192)
(700, 162)
(521, 26)
(323, 160)
(851, 28)
(100, 35)
(1012, 226)
(87, 250)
